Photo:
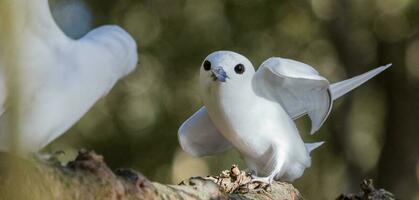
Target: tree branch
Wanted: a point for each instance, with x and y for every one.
(88, 177)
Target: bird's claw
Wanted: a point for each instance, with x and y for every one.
(267, 180)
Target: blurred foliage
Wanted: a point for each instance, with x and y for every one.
(372, 132)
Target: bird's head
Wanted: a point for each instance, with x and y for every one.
(225, 69)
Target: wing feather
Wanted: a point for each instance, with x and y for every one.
(341, 88)
(199, 137)
(301, 90)
(297, 87)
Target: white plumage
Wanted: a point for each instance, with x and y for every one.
(59, 78)
(254, 111)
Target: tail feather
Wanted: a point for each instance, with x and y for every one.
(311, 146)
(339, 89)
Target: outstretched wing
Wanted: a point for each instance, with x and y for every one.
(59, 78)
(301, 90)
(297, 87)
(84, 71)
(199, 137)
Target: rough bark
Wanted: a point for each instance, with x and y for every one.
(88, 177)
(368, 192)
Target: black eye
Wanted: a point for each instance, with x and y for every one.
(239, 68)
(207, 65)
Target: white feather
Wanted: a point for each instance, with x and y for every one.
(199, 137)
(297, 87)
(311, 146)
(60, 78)
(301, 90)
(341, 88)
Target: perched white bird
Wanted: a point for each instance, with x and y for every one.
(254, 111)
(59, 78)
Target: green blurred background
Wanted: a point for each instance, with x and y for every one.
(371, 133)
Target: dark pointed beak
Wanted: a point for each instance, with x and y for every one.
(219, 74)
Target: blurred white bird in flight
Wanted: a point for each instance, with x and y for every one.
(59, 78)
(254, 112)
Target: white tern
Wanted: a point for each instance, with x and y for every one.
(59, 78)
(254, 112)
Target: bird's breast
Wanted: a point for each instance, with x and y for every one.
(252, 124)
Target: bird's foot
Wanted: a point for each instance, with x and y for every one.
(261, 184)
(267, 180)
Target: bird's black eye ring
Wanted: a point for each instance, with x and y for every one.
(207, 65)
(239, 68)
